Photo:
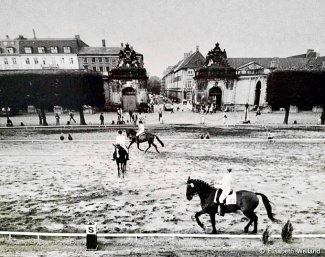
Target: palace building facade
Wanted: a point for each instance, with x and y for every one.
(230, 83)
(124, 78)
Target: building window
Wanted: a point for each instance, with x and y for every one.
(5, 61)
(36, 60)
(67, 49)
(107, 68)
(14, 60)
(10, 50)
(189, 83)
(94, 68)
(28, 50)
(85, 60)
(101, 69)
(41, 50)
(100, 59)
(106, 59)
(27, 61)
(93, 60)
(190, 72)
(54, 50)
(71, 60)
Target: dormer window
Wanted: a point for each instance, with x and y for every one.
(28, 50)
(54, 50)
(67, 49)
(41, 50)
(10, 50)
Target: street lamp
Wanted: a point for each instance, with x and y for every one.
(246, 106)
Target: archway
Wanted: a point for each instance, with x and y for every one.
(215, 96)
(129, 99)
(257, 93)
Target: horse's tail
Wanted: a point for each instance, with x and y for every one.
(162, 144)
(268, 206)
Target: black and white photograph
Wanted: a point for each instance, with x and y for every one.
(168, 128)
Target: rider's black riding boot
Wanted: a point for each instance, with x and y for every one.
(222, 209)
(127, 156)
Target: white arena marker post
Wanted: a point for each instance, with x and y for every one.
(91, 231)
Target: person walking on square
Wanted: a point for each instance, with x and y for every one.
(101, 117)
(224, 117)
(72, 117)
(225, 186)
(40, 119)
(57, 119)
(160, 114)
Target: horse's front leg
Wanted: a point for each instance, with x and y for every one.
(139, 146)
(197, 215)
(148, 147)
(213, 222)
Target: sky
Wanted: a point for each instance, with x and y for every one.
(163, 30)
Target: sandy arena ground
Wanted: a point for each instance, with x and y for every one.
(49, 185)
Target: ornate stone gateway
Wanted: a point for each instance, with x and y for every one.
(126, 84)
(214, 80)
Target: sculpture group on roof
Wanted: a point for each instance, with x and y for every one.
(127, 58)
(216, 57)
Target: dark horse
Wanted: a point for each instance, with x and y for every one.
(145, 137)
(246, 202)
(121, 159)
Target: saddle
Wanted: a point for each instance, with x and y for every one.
(218, 193)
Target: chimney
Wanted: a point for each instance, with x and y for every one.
(121, 44)
(103, 43)
(34, 34)
(310, 53)
(186, 55)
(197, 48)
(77, 37)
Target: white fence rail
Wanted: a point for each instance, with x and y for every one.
(136, 235)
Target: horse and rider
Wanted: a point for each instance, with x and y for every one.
(213, 197)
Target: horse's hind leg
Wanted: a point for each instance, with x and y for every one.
(213, 223)
(155, 147)
(252, 218)
(148, 148)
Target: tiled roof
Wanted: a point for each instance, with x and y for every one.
(102, 50)
(280, 63)
(191, 61)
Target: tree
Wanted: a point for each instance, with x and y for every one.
(154, 85)
(301, 88)
(70, 89)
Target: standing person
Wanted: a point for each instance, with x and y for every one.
(140, 129)
(224, 117)
(101, 117)
(57, 119)
(120, 141)
(9, 122)
(119, 114)
(160, 114)
(226, 187)
(72, 117)
(322, 118)
(131, 115)
(258, 113)
(211, 109)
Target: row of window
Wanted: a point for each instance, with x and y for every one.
(40, 50)
(96, 68)
(100, 60)
(36, 61)
(52, 49)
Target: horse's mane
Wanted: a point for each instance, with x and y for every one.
(201, 182)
